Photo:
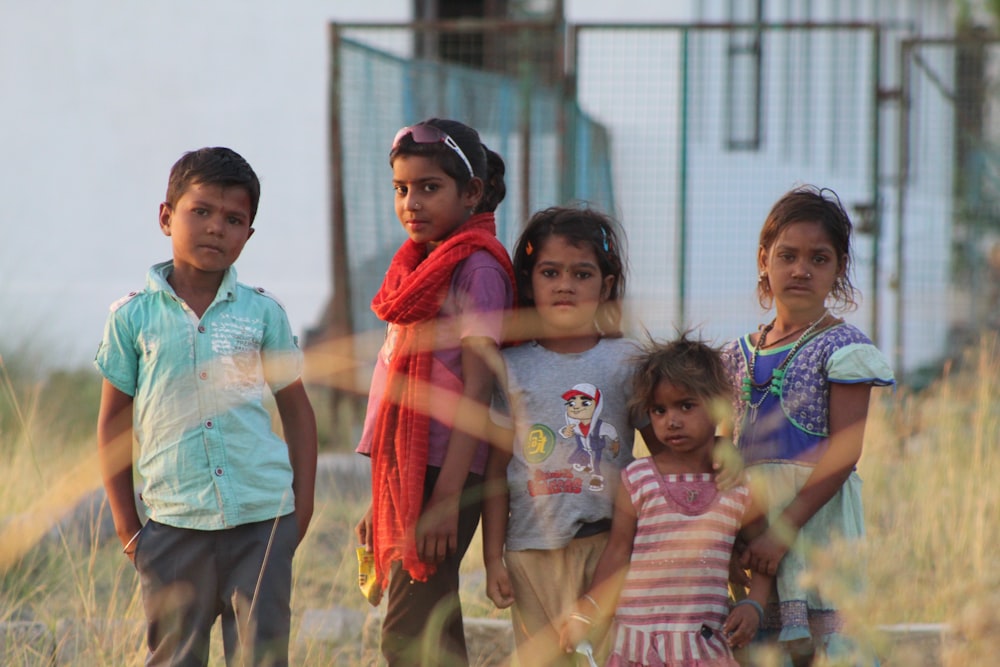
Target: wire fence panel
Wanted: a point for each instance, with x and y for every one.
(688, 134)
(950, 242)
(552, 151)
(710, 125)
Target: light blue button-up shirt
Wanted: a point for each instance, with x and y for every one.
(208, 456)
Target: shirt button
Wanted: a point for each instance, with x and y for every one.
(201, 328)
(218, 472)
(209, 424)
(203, 375)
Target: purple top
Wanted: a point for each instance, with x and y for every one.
(480, 293)
(793, 425)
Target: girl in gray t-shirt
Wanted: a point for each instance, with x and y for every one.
(564, 431)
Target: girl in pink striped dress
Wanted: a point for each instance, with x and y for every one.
(665, 569)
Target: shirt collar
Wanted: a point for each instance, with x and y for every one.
(156, 281)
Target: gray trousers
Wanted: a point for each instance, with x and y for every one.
(191, 577)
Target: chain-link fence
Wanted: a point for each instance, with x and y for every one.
(519, 107)
(948, 229)
(710, 125)
(688, 134)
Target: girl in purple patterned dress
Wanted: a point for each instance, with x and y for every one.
(803, 384)
(665, 569)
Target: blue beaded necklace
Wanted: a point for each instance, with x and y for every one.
(777, 377)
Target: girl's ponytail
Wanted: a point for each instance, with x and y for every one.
(494, 187)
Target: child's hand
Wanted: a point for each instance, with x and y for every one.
(573, 632)
(363, 529)
(728, 465)
(764, 552)
(742, 624)
(437, 529)
(498, 587)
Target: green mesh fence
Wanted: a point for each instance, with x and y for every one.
(689, 133)
(527, 122)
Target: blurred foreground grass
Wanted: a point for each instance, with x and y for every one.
(931, 469)
(932, 495)
(51, 575)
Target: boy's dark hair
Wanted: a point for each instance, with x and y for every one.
(581, 226)
(684, 362)
(810, 203)
(213, 166)
(486, 164)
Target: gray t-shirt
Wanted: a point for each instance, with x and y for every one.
(572, 436)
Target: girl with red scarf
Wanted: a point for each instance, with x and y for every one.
(443, 299)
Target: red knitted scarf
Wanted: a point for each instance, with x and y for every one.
(411, 296)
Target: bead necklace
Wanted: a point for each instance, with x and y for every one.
(777, 377)
(773, 343)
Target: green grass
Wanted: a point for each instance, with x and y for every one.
(932, 496)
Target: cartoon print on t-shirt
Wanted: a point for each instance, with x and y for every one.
(591, 434)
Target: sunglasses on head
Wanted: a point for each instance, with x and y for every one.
(428, 134)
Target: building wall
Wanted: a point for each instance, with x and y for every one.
(816, 109)
(100, 98)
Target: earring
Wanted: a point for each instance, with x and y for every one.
(762, 276)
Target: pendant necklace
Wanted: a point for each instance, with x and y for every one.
(777, 376)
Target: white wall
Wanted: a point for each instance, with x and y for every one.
(816, 120)
(814, 132)
(100, 97)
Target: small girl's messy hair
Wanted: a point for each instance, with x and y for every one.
(810, 203)
(581, 226)
(483, 162)
(683, 362)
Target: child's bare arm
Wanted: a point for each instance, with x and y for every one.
(748, 615)
(114, 452)
(598, 604)
(437, 529)
(848, 414)
(727, 464)
(299, 425)
(496, 507)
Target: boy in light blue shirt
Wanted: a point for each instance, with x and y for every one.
(185, 362)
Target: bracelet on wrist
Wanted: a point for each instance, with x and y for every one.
(591, 600)
(582, 618)
(755, 605)
(131, 542)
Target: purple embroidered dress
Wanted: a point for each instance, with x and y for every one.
(782, 433)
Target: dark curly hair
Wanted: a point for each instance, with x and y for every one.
(683, 362)
(213, 166)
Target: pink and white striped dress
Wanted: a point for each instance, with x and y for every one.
(675, 597)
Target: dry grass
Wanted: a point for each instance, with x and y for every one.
(932, 494)
(931, 491)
